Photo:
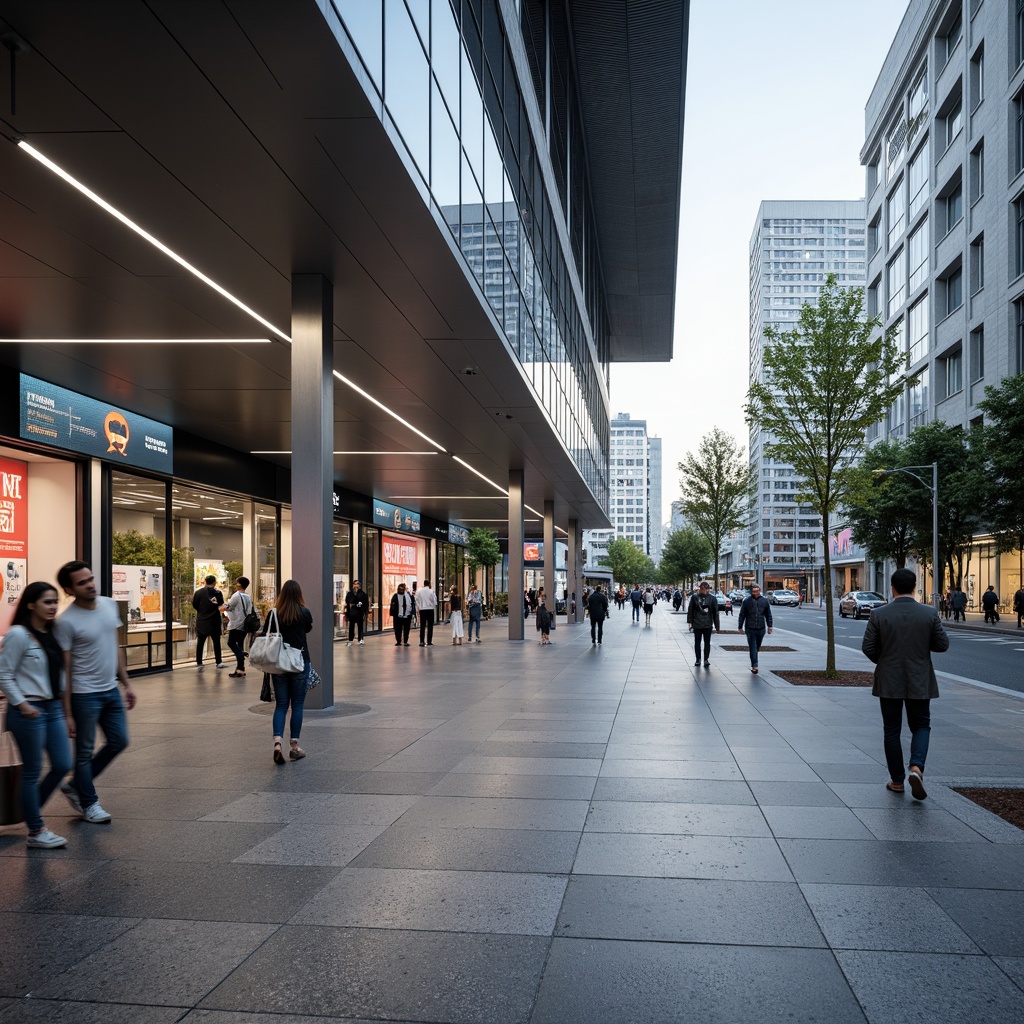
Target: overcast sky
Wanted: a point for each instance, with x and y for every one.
(775, 96)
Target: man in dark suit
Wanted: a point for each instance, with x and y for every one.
(597, 610)
(899, 639)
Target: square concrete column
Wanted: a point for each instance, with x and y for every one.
(572, 573)
(312, 534)
(515, 554)
(549, 559)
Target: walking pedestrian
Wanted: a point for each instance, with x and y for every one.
(1018, 605)
(958, 602)
(754, 619)
(899, 639)
(990, 605)
(94, 664)
(426, 606)
(357, 604)
(208, 602)
(650, 599)
(238, 607)
(401, 615)
(475, 606)
(701, 618)
(597, 610)
(455, 608)
(32, 679)
(543, 623)
(636, 599)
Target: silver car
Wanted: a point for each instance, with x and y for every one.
(859, 604)
(784, 596)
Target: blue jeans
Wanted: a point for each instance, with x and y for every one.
(920, 723)
(636, 613)
(754, 639)
(105, 709)
(290, 689)
(48, 732)
(474, 620)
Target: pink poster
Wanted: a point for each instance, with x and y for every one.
(13, 535)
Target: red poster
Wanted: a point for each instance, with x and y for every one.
(399, 556)
(531, 552)
(13, 535)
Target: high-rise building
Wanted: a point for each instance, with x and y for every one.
(944, 156)
(654, 525)
(794, 247)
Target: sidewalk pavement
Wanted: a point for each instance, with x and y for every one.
(508, 833)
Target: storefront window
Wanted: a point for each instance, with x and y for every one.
(267, 542)
(342, 573)
(403, 560)
(370, 571)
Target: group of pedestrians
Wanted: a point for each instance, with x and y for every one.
(60, 675)
(408, 608)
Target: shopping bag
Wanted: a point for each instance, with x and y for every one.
(10, 781)
(271, 654)
(313, 679)
(267, 691)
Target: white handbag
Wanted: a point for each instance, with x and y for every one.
(270, 653)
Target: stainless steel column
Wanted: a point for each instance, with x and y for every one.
(515, 554)
(313, 468)
(572, 573)
(549, 559)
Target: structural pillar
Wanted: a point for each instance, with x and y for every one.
(515, 554)
(549, 559)
(572, 573)
(312, 535)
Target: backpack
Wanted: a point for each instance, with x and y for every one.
(251, 623)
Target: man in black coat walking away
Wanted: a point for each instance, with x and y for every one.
(990, 604)
(701, 617)
(597, 609)
(755, 616)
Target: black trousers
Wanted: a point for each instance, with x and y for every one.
(355, 625)
(402, 629)
(426, 626)
(704, 634)
(201, 643)
(236, 641)
(596, 629)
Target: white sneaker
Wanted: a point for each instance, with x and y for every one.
(96, 814)
(71, 795)
(348, 643)
(221, 664)
(199, 668)
(47, 840)
(360, 643)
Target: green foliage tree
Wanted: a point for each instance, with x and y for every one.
(129, 547)
(685, 555)
(483, 552)
(879, 508)
(718, 479)
(1003, 437)
(823, 384)
(627, 562)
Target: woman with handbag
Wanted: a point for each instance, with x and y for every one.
(32, 680)
(294, 620)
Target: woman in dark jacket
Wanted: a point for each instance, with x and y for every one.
(294, 621)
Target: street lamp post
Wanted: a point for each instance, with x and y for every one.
(934, 488)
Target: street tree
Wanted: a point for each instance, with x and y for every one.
(483, 552)
(627, 562)
(823, 384)
(879, 507)
(685, 555)
(718, 480)
(1004, 439)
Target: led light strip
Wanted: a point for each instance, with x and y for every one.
(267, 452)
(137, 341)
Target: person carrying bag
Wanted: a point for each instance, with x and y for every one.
(270, 653)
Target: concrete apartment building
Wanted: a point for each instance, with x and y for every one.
(944, 158)
(794, 246)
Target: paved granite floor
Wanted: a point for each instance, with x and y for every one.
(513, 833)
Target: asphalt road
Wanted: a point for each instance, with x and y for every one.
(995, 658)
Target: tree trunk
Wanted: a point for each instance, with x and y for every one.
(830, 629)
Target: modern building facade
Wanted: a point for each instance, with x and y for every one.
(362, 267)
(655, 529)
(795, 245)
(944, 159)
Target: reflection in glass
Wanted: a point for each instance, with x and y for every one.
(446, 52)
(364, 20)
(342, 573)
(407, 83)
(370, 572)
(444, 160)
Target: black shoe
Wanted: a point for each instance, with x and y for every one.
(697, 663)
(422, 645)
(707, 664)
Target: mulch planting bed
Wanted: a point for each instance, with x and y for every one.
(1007, 803)
(765, 649)
(808, 677)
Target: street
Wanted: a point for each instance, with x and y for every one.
(996, 658)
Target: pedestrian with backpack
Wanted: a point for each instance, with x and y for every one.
(243, 621)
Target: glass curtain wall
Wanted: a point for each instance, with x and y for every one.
(370, 574)
(342, 573)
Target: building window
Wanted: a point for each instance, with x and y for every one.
(977, 264)
(895, 147)
(896, 282)
(917, 180)
(873, 307)
(872, 183)
(954, 120)
(951, 292)
(1018, 309)
(917, 113)
(917, 319)
(977, 78)
(1018, 133)
(1018, 225)
(919, 400)
(951, 373)
(977, 354)
(873, 234)
(951, 37)
(918, 248)
(978, 171)
(1018, 35)
(896, 213)
(954, 204)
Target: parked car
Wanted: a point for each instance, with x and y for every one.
(724, 604)
(859, 603)
(784, 596)
(738, 595)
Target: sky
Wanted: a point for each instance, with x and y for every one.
(775, 96)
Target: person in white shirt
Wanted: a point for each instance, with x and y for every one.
(426, 608)
(237, 608)
(401, 615)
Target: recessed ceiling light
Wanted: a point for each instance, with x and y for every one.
(462, 462)
(288, 452)
(136, 341)
(391, 412)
